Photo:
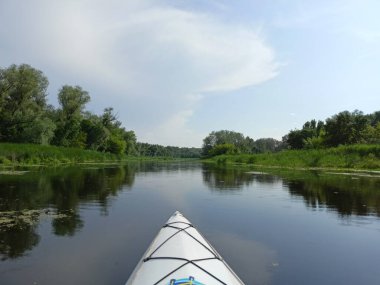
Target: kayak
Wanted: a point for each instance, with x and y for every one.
(180, 255)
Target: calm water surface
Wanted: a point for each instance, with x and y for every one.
(91, 225)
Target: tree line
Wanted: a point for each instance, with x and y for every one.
(26, 117)
(344, 128)
(230, 142)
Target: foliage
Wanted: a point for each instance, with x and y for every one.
(225, 148)
(352, 156)
(225, 137)
(154, 150)
(72, 101)
(371, 134)
(23, 105)
(267, 145)
(40, 154)
(116, 145)
(232, 142)
(297, 139)
(26, 118)
(344, 128)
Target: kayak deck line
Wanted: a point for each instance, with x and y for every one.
(182, 249)
(187, 261)
(184, 230)
(193, 262)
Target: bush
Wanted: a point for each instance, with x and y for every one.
(223, 149)
(116, 145)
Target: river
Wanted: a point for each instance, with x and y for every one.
(91, 224)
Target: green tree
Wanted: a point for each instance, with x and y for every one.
(267, 145)
(295, 139)
(312, 131)
(96, 133)
(130, 140)
(346, 128)
(374, 118)
(241, 143)
(372, 134)
(225, 148)
(23, 92)
(72, 101)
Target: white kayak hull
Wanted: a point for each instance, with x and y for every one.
(181, 255)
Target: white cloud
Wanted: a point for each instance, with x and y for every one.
(148, 56)
(174, 128)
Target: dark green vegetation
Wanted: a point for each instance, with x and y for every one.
(345, 140)
(155, 150)
(25, 117)
(354, 157)
(345, 128)
(230, 142)
(32, 154)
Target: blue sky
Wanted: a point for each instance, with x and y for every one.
(176, 70)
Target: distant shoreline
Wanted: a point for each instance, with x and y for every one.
(32, 155)
(353, 157)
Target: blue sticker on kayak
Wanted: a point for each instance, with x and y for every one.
(185, 281)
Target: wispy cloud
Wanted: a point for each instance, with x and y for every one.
(148, 56)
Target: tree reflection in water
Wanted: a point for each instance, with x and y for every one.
(16, 240)
(345, 194)
(56, 194)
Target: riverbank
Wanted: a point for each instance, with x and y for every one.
(363, 157)
(31, 154)
(36, 155)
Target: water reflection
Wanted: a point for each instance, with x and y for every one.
(16, 240)
(60, 194)
(106, 217)
(56, 194)
(222, 179)
(347, 195)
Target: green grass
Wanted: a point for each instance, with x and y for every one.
(31, 154)
(345, 157)
(12, 154)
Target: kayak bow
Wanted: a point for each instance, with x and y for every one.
(181, 255)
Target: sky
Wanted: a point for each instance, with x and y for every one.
(175, 70)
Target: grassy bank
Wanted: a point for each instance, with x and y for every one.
(30, 154)
(345, 157)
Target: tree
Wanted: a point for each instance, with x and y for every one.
(96, 134)
(23, 92)
(267, 145)
(72, 101)
(346, 128)
(372, 134)
(311, 131)
(225, 148)
(130, 140)
(241, 143)
(374, 118)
